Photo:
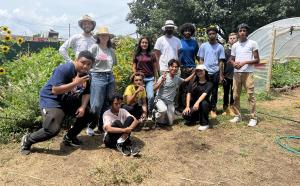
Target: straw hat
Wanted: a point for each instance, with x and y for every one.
(200, 67)
(169, 23)
(86, 18)
(103, 30)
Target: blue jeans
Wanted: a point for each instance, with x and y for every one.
(149, 81)
(102, 88)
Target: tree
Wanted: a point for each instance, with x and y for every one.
(150, 15)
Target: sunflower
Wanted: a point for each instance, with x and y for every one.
(8, 32)
(20, 40)
(2, 71)
(7, 38)
(5, 49)
(4, 28)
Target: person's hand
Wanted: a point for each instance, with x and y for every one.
(140, 89)
(164, 77)
(221, 78)
(80, 112)
(127, 130)
(186, 111)
(80, 80)
(196, 106)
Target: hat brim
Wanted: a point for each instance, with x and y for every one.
(173, 26)
(110, 35)
(93, 22)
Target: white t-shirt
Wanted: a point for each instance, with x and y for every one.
(168, 48)
(105, 59)
(109, 117)
(243, 51)
(78, 43)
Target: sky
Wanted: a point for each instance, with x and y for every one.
(28, 17)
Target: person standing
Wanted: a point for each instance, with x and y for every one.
(228, 78)
(67, 92)
(211, 54)
(167, 46)
(244, 54)
(145, 62)
(103, 81)
(187, 59)
(79, 42)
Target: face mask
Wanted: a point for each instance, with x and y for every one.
(169, 32)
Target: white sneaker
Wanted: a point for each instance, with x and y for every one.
(252, 122)
(90, 131)
(203, 127)
(236, 119)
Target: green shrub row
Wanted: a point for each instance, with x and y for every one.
(285, 74)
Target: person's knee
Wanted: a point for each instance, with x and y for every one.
(53, 131)
(129, 121)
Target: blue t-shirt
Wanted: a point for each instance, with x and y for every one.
(188, 52)
(211, 54)
(63, 74)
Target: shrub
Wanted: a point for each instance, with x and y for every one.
(285, 74)
(125, 47)
(19, 91)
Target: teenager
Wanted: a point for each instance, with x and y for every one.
(66, 93)
(118, 124)
(197, 99)
(244, 54)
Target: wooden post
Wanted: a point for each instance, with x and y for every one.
(269, 78)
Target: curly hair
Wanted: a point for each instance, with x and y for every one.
(187, 26)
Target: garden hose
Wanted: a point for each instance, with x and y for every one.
(285, 146)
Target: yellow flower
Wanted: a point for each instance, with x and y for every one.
(20, 40)
(2, 71)
(5, 49)
(8, 32)
(4, 28)
(7, 37)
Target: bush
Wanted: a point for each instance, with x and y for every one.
(122, 71)
(286, 74)
(19, 91)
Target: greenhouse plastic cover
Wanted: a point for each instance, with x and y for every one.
(287, 45)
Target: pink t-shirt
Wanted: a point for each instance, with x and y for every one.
(109, 117)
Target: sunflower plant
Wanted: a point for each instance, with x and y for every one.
(7, 42)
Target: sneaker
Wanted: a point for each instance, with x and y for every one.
(90, 131)
(134, 150)
(25, 147)
(213, 114)
(236, 119)
(75, 142)
(203, 127)
(125, 150)
(252, 122)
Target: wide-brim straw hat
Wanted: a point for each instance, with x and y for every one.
(200, 67)
(169, 23)
(103, 30)
(86, 18)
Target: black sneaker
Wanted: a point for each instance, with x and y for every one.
(25, 146)
(134, 150)
(125, 150)
(75, 142)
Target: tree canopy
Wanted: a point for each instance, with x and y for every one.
(149, 15)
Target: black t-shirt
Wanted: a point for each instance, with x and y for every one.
(198, 89)
(228, 68)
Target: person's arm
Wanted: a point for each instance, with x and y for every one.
(221, 66)
(187, 109)
(84, 101)
(189, 78)
(201, 98)
(144, 107)
(61, 89)
(63, 49)
(133, 67)
(160, 81)
(157, 55)
(111, 129)
(254, 61)
(130, 99)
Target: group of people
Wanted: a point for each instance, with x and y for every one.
(178, 75)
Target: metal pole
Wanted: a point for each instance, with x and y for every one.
(69, 30)
(268, 85)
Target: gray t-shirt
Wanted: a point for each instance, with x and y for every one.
(105, 59)
(167, 91)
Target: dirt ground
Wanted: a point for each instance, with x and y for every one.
(228, 154)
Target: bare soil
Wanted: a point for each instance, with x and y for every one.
(228, 154)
